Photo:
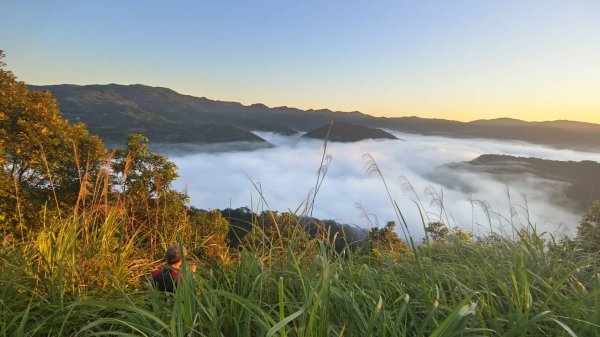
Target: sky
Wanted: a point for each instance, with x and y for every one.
(411, 169)
(462, 60)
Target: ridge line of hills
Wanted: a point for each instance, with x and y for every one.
(570, 183)
(112, 111)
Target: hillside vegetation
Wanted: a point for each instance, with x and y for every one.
(578, 180)
(345, 132)
(113, 111)
(82, 226)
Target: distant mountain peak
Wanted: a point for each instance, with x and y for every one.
(346, 132)
(498, 121)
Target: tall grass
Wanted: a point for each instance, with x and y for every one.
(491, 287)
(87, 275)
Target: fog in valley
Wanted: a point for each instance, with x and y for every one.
(282, 177)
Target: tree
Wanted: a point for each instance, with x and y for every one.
(209, 235)
(45, 161)
(240, 221)
(141, 172)
(386, 239)
(144, 180)
(438, 232)
(588, 231)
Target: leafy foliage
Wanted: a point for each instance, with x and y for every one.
(143, 180)
(588, 231)
(438, 232)
(386, 240)
(209, 236)
(45, 160)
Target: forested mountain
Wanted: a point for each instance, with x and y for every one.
(346, 132)
(573, 183)
(113, 110)
(560, 134)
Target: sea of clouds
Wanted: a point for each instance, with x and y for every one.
(283, 177)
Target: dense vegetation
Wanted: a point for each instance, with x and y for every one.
(82, 226)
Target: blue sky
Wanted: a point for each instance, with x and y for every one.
(535, 60)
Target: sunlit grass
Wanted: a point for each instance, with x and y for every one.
(492, 286)
(86, 274)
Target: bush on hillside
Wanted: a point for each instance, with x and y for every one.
(588, 231)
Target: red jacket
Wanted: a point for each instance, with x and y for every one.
(166, 279)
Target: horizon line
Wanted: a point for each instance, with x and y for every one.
(245, 104)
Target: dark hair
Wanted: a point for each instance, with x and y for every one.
(173, 255)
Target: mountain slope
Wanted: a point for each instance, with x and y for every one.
(114, 110)
(346, 132)
(576, 182)
(560, 134)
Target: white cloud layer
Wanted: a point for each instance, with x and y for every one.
(287, 172)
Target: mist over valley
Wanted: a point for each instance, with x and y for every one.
(418, 171)
(235, 155)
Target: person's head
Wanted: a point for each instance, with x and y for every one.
(173, 256)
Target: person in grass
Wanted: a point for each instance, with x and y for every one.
(167, 277)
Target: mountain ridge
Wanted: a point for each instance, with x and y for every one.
(575, 181)
(114, 110)
(346, 132)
